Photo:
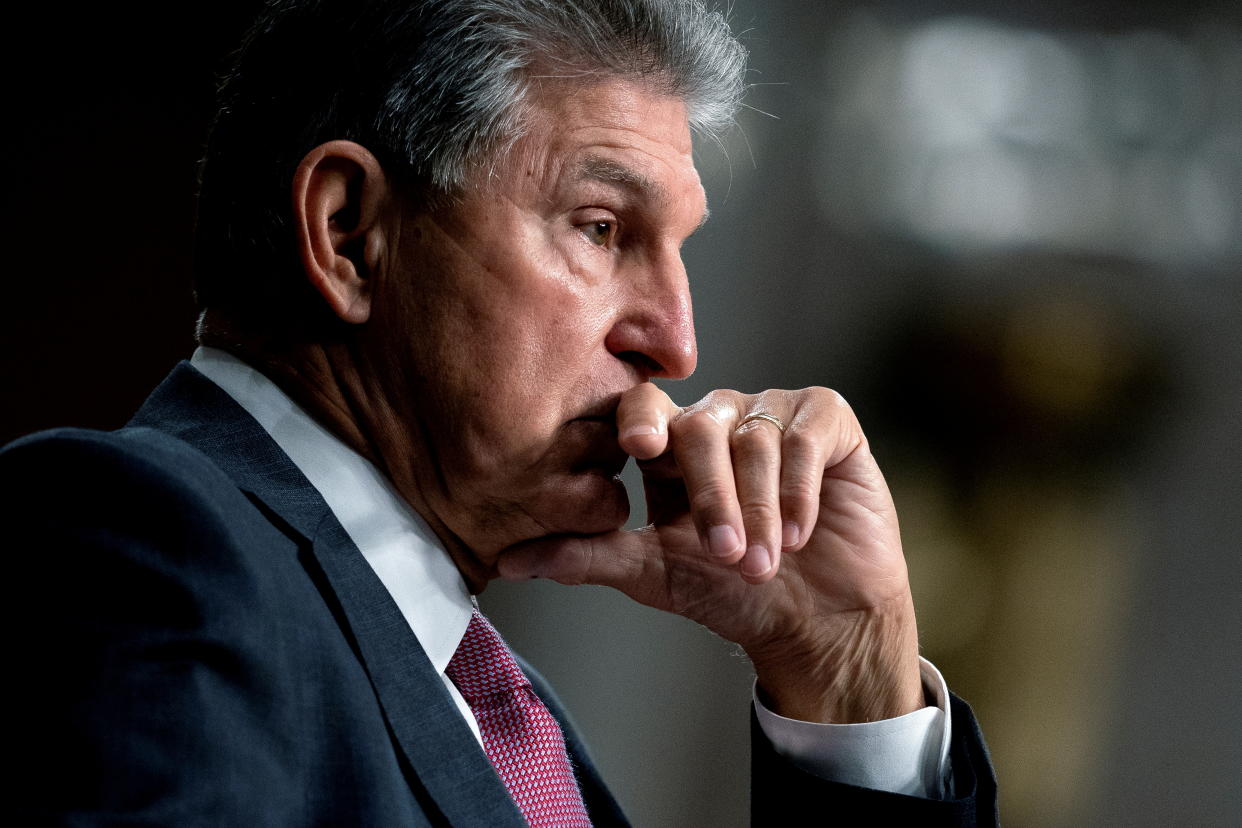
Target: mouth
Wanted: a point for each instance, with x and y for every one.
(598, 450)
(602, 410)
(595, 434)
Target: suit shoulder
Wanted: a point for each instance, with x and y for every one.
(136, 495)
(139, 447)
(66, 462)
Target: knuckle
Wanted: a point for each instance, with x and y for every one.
(798, 442)
(694, 420)
(752, 435)
(575, 561)
(799, 490)
(725, 401)
(767, 398)
(826, 395)
(760, 513)
(723, 395)
(710, 499)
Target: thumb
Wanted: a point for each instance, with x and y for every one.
(621, 559)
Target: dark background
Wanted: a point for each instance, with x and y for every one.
(1055, 399)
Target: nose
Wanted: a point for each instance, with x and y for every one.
(654, 331)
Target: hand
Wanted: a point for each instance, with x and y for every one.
(786, 543)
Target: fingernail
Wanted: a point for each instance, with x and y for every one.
(790, 533)
(723, 540)
(639, 431)
(757, 561)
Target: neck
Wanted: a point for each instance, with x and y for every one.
(325, 376)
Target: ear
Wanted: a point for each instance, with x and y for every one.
(339, 193)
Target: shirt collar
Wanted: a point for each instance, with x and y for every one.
(394, 539)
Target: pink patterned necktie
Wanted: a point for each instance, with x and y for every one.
(521, 738)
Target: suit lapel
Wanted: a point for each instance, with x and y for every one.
(419, 710)
(424, 721)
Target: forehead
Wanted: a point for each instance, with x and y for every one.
(609, 130)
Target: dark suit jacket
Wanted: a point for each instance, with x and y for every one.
(197, 641)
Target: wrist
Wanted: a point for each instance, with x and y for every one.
(862, 666)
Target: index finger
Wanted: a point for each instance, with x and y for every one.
(642, 421)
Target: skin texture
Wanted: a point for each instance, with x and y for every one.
(497, 370)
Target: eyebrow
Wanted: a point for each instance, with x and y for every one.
(598, 168)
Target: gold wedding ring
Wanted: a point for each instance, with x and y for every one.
(761, 416)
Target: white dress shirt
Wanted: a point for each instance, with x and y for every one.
(907, 755)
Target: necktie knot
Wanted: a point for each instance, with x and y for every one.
(483, 665)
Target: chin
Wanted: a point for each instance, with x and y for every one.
(587, 503)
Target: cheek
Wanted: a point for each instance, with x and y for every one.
(517, 398)
(532, 338)
(512, 348)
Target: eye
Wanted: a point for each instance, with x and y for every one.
(599, 233)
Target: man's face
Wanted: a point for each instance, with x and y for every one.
(512, 321)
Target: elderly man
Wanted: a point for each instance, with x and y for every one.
(439, 265)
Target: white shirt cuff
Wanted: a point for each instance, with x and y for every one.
(905, 755)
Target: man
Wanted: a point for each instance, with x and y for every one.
(439, 265)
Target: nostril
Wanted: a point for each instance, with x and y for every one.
(645, 364)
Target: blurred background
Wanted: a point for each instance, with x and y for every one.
(1010, 235)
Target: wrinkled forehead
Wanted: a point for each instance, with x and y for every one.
(616, 130)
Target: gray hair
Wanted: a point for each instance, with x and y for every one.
(479, 56)
(435, 88)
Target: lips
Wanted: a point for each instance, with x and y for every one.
(594, 445)
(603, 409)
